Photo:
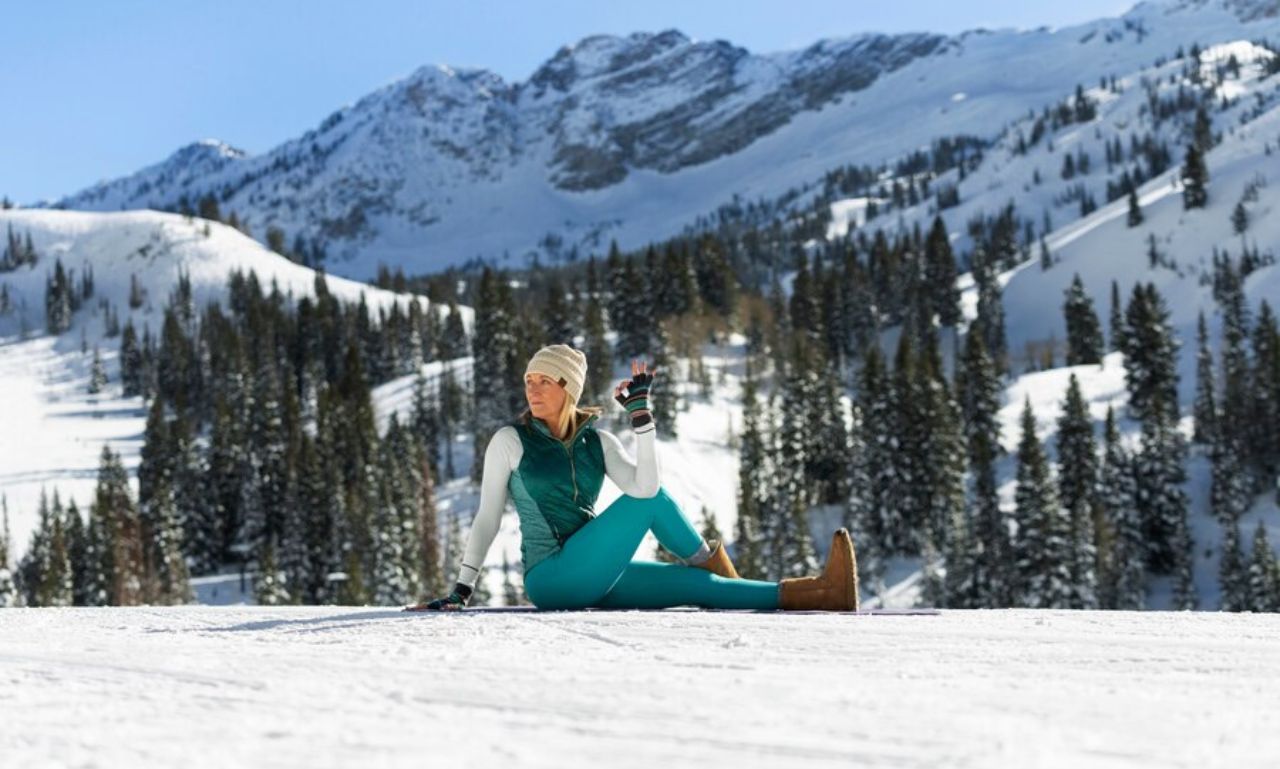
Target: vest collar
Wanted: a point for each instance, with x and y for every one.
(541, 427)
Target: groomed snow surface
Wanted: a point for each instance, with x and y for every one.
(361, 687)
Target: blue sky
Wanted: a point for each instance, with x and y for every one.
(96, 90)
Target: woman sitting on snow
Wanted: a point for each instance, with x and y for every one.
(552, 463)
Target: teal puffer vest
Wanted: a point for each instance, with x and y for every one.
(555, 486)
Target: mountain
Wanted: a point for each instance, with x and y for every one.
(631, 138)
(53, 428)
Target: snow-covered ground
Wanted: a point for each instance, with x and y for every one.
(335, 686)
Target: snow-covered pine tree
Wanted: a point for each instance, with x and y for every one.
(432, 577)
(9, 595)
(1150, 350)
(664, 397)
(595, 346)
(1116, 318)
(1042, 542)
(827, 450)
(990, 321)
(1236, 397)
(1135, 216)
(791, 548)
(1263, 435)
(908, 441)
(269, 443)
(165, 579)
(1185, 597)
(1195, 179)
(1161, 500)
(1233, 579)
(123, 532)
(1084, 332)
(97, 373)
(944, 447)
(557, 316)
(1205, 409)
(991, 567)
(940, 274)
(497, 377)
(78, 555)
(1264, 590)
(754, 483)
(269, 587)
(57, 300)
(454, 342)
(876, 403)
(1077, 487)
(1124, 576)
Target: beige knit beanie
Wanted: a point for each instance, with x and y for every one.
(563, 364)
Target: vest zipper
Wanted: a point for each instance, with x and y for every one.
(573, 472)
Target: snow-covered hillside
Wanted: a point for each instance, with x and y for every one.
(631, 138)
(312, 686)
(53, 430)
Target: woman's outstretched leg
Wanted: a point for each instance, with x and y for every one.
(648, 585)
(594, 558)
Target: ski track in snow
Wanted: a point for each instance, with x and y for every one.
(346, 686)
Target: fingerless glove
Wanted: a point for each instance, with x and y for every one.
(635, 399)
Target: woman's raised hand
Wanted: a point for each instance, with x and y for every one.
(634, 393)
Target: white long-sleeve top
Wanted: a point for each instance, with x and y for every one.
(639, 477)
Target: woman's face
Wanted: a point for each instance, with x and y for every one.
(545, 396)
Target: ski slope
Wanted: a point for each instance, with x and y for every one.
(338, 686)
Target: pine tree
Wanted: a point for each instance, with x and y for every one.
(1206, 406)
(910, 462)
(943, 449)
(1161, 501)
(1185, 597)
(78, 555)
(1202, 131)
(991, 564)
(1150, 350)
(1264, 592)
(1135, 210)
(269, 587)
(990, 321)
(1195, 179)
(1124, 575)
(123, 540)
(497, 381)
(1084, 332)
(876, 403)
(97, 373)
(57, 300)
(1116, 318)
(754, 484)
(433, 579)
(940, 274)
(9, 594)
(1229, 493)
(596, 347)
(1042, 546)
(557, 318)
(1263, 435)
(1077, 487)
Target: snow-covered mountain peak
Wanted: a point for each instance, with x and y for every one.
(1244, 10)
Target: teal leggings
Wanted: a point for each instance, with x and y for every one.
(594, 567)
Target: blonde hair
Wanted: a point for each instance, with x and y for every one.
(569, 419)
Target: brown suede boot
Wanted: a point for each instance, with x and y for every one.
(835, 590)
(718, 562)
